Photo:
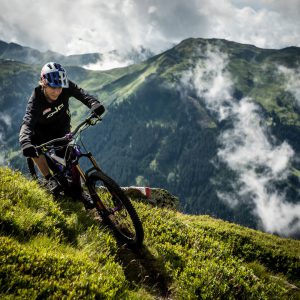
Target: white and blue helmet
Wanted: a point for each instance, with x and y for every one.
(54, 75)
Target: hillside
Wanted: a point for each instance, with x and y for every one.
(177, 121)
(53, 249)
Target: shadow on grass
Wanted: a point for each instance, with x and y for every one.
(85, 218)
(142, 268)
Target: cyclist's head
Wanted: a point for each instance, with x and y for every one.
(54, 75)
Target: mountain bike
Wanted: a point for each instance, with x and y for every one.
(111, 203)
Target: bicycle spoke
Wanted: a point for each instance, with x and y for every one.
(117, 210)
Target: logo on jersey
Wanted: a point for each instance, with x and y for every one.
(57, 109)
(46, 111)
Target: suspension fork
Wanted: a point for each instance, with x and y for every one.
(93, 161)
(84, 176)
(95, 167)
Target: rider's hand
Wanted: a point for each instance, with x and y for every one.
(98, 109)
(30, 151)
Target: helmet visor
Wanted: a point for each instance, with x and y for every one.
(57, 79)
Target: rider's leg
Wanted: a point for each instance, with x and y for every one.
(52, 184)
(42, 164)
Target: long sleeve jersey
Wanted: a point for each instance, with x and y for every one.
(46, 120)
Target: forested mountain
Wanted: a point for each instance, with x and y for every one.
(29, 55)
(214, 122)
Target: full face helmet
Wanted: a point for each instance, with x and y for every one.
(54, 75)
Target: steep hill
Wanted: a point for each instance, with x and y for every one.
(55, 249)
(173, 120)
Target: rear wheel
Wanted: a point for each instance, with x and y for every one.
(116, 209)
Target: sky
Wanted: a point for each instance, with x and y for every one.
(85, 26)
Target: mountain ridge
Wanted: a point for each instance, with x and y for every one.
(30, 55)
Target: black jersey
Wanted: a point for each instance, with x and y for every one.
(46, 120)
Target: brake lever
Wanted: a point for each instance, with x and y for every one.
(93, 119)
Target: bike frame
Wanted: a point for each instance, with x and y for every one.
(72, 156)
(68, 164)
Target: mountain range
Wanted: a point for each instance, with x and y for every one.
(29, 55)
(213, 121)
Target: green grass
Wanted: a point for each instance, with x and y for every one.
(55, 249)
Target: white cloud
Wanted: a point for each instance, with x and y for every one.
(246, 148)
(2, 160)
(109, 61)
(152, 9)
(292, 81)
(217, 90)
(100, 26)
(6, 119)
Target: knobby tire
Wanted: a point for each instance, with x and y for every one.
(124, 221)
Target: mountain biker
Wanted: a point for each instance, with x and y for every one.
(47, 115)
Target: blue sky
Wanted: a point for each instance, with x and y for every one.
(83, 26)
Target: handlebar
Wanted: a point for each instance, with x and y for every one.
(69, 136)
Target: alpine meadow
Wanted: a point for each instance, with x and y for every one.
(214, 122)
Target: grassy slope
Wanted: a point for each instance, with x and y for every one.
(55, 249)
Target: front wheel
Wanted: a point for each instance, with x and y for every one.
(116, 209)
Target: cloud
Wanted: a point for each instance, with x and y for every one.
(109, 61)
(1, 159)
(291, 80)
(100, 26)
(119, 59)
(5, 123)
(6, 119)
(246, 147)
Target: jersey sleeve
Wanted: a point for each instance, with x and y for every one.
(81, 95)
(29, 120)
